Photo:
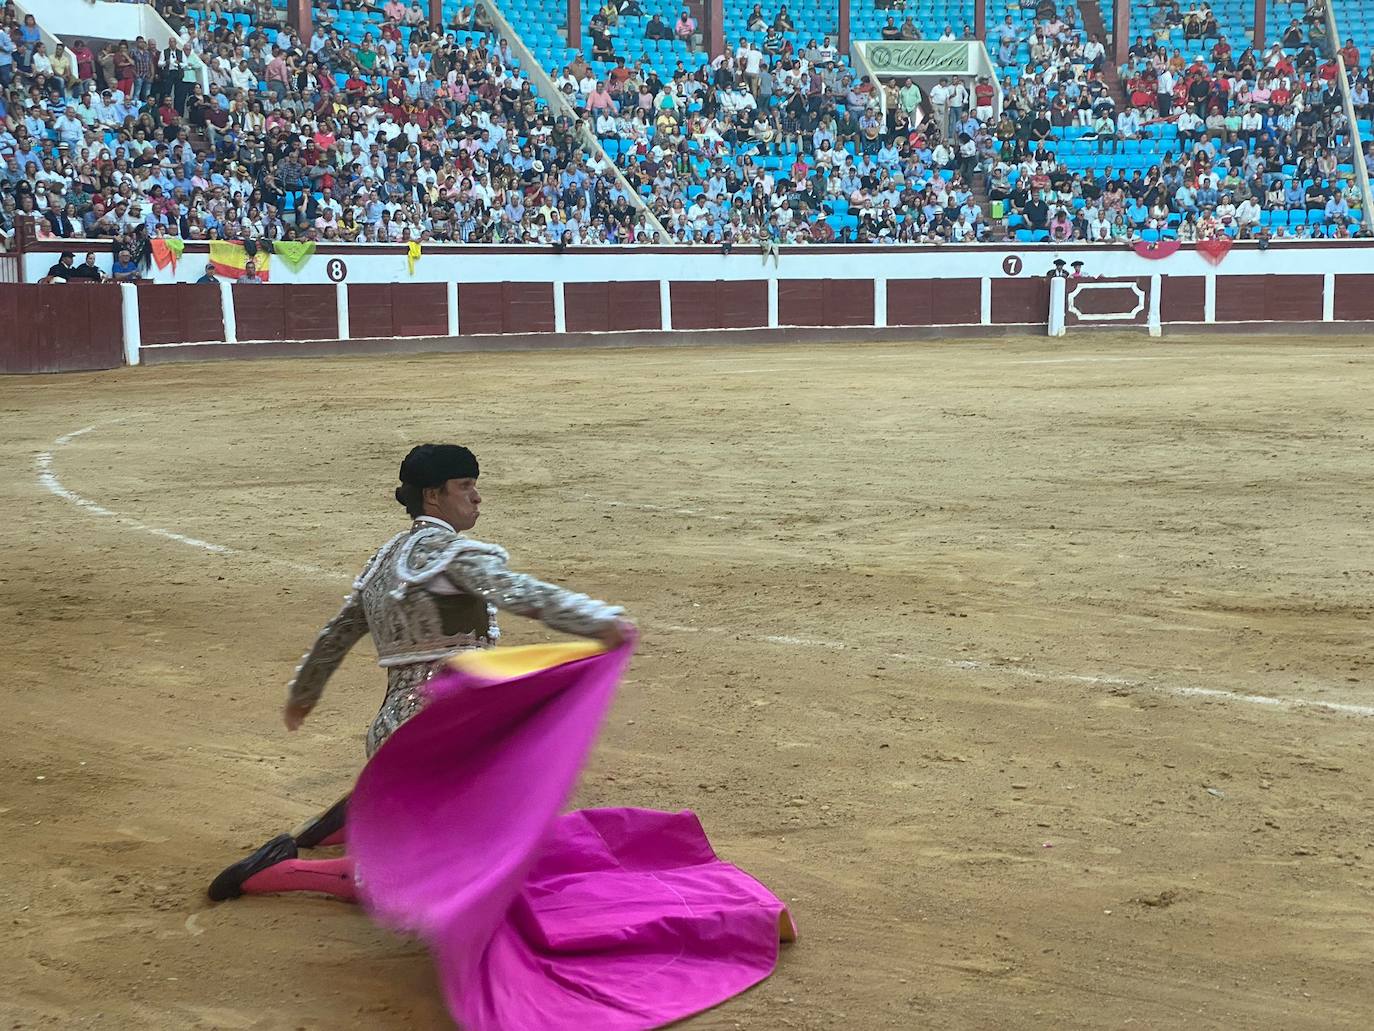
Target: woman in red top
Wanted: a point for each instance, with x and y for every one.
(124, 70)
(84, 57)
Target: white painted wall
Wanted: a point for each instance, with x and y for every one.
(99, 19)
(445, 263)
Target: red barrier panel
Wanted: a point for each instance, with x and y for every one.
(1021, 301)
(825, 302)
(397, 310)
(1354, 298)
(312, 313)
(60, 327)
(278, 311)
(1118, 300)
(505, 308)
(612, 307)
(1182, 298)
(179, 313)
(260, 311)
(934, 302)
(719, 304)
(1269, 298)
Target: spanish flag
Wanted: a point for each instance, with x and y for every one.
(228, 258)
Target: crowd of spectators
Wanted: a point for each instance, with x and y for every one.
(773, 143)
(415, 135)
(420, 133)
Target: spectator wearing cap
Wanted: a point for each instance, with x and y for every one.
(64, 270)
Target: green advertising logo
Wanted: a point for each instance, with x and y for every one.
(897, 58)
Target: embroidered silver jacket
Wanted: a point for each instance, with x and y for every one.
(427, 594)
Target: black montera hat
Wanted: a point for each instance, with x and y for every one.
(430, 465)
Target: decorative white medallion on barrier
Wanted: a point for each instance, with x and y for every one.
(1120, 315)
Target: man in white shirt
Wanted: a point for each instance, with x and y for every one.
(753, 65)
(939, 102)
(1248, 214)
(1164, 91)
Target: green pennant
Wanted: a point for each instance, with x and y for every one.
(294, 253)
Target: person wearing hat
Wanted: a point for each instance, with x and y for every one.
(1059, 271)
(64, 271)
(427, 594)
(1077, 272)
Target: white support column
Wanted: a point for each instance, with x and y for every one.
(665, 304)
(451, 292)
(985, 302)
(560, 315)
(226, 307)
(1153, 321)
(1209, 297)
(1058, 293)
(880, 303)
(1329, 297)
(341, 308)
(128, 317)
(773, 303)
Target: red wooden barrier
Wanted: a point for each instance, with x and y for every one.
(397, 310)
(60, 328)
(1021, 301)
(612, 307)
(719, 304)
(179, 313)
(1182, 298)
(505, 308)
(277, 311)
(825, 302)
(1269, 298)
(934, 302)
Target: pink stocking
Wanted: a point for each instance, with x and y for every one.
(330, 876)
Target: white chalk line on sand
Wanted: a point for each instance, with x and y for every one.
(1169, 358)
(48, 479)
(724, 364)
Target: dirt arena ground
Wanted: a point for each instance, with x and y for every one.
(945, 642)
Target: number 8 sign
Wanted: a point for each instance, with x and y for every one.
(336, 270)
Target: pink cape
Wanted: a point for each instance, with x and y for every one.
(612, 919)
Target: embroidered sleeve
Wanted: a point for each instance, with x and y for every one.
(485, 574)
(339, 635)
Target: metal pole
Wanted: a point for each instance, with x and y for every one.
(1356, 142)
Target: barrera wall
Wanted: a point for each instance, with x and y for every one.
(361, 299)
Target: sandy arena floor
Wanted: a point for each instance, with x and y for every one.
(941, 641)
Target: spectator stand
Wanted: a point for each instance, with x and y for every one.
(560, 102)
